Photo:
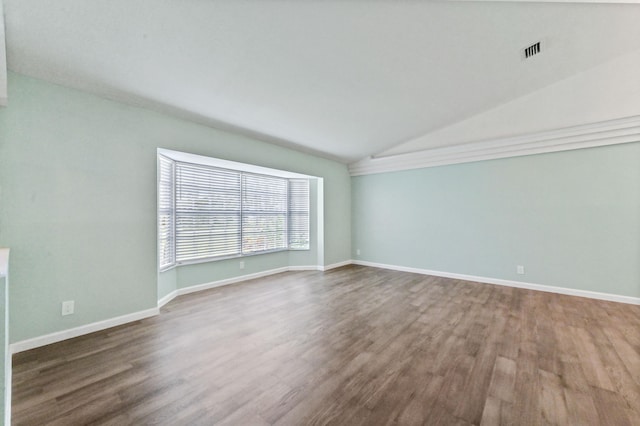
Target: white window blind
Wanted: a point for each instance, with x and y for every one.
(166, 241)
(264, 213)
(206, 212)
(298, 214)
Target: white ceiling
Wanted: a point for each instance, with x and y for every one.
(345, 79)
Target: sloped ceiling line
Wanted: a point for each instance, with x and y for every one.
(622, 130)
(343, 79)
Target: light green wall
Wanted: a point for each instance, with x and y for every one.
(571, 218)
(167, 282)
(202, 273)
(78, 197)
(78, 200)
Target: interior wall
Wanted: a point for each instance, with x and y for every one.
(572, 219)
(78, 197)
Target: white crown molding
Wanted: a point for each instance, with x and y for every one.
(508, 283)
(617, 131)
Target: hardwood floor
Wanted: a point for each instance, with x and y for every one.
(353, 346)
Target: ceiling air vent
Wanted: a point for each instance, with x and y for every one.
(532, 50)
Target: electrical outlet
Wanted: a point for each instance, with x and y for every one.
(241, 264)
(358, 252)
(520, 269)
(68, 307)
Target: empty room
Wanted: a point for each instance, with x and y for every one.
(355, 212)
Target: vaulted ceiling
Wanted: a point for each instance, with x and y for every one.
(345, 79)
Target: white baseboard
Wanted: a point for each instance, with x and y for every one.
(59, 336)
(220, 283)
(335, 265)
(508, 283)
(47, 339)
(305, 268)
(168, 298)
(206, 286)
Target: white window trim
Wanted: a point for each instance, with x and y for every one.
(177, 156)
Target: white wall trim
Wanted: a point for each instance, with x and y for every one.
(59, 336)
(47, 339)
(305, 268)
(617, 131)
(335, 265)
(168, 298)
(508, 283)
(220, 283)
(228, 281)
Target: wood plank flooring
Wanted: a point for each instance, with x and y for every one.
(353, 346)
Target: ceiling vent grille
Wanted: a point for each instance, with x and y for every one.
(532, 50)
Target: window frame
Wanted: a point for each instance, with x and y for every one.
(162, 266)
(242, 253)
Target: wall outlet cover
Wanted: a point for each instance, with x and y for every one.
(68, 307)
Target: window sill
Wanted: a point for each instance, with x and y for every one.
(221, 258)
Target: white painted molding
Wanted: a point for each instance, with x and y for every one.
(617, 131)
(220, 283)
(206, 286)
(305, 268)
(4, 262)
(508, 283)
(59, 336)
(336, 265)
(168, 298)
(47, 339)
